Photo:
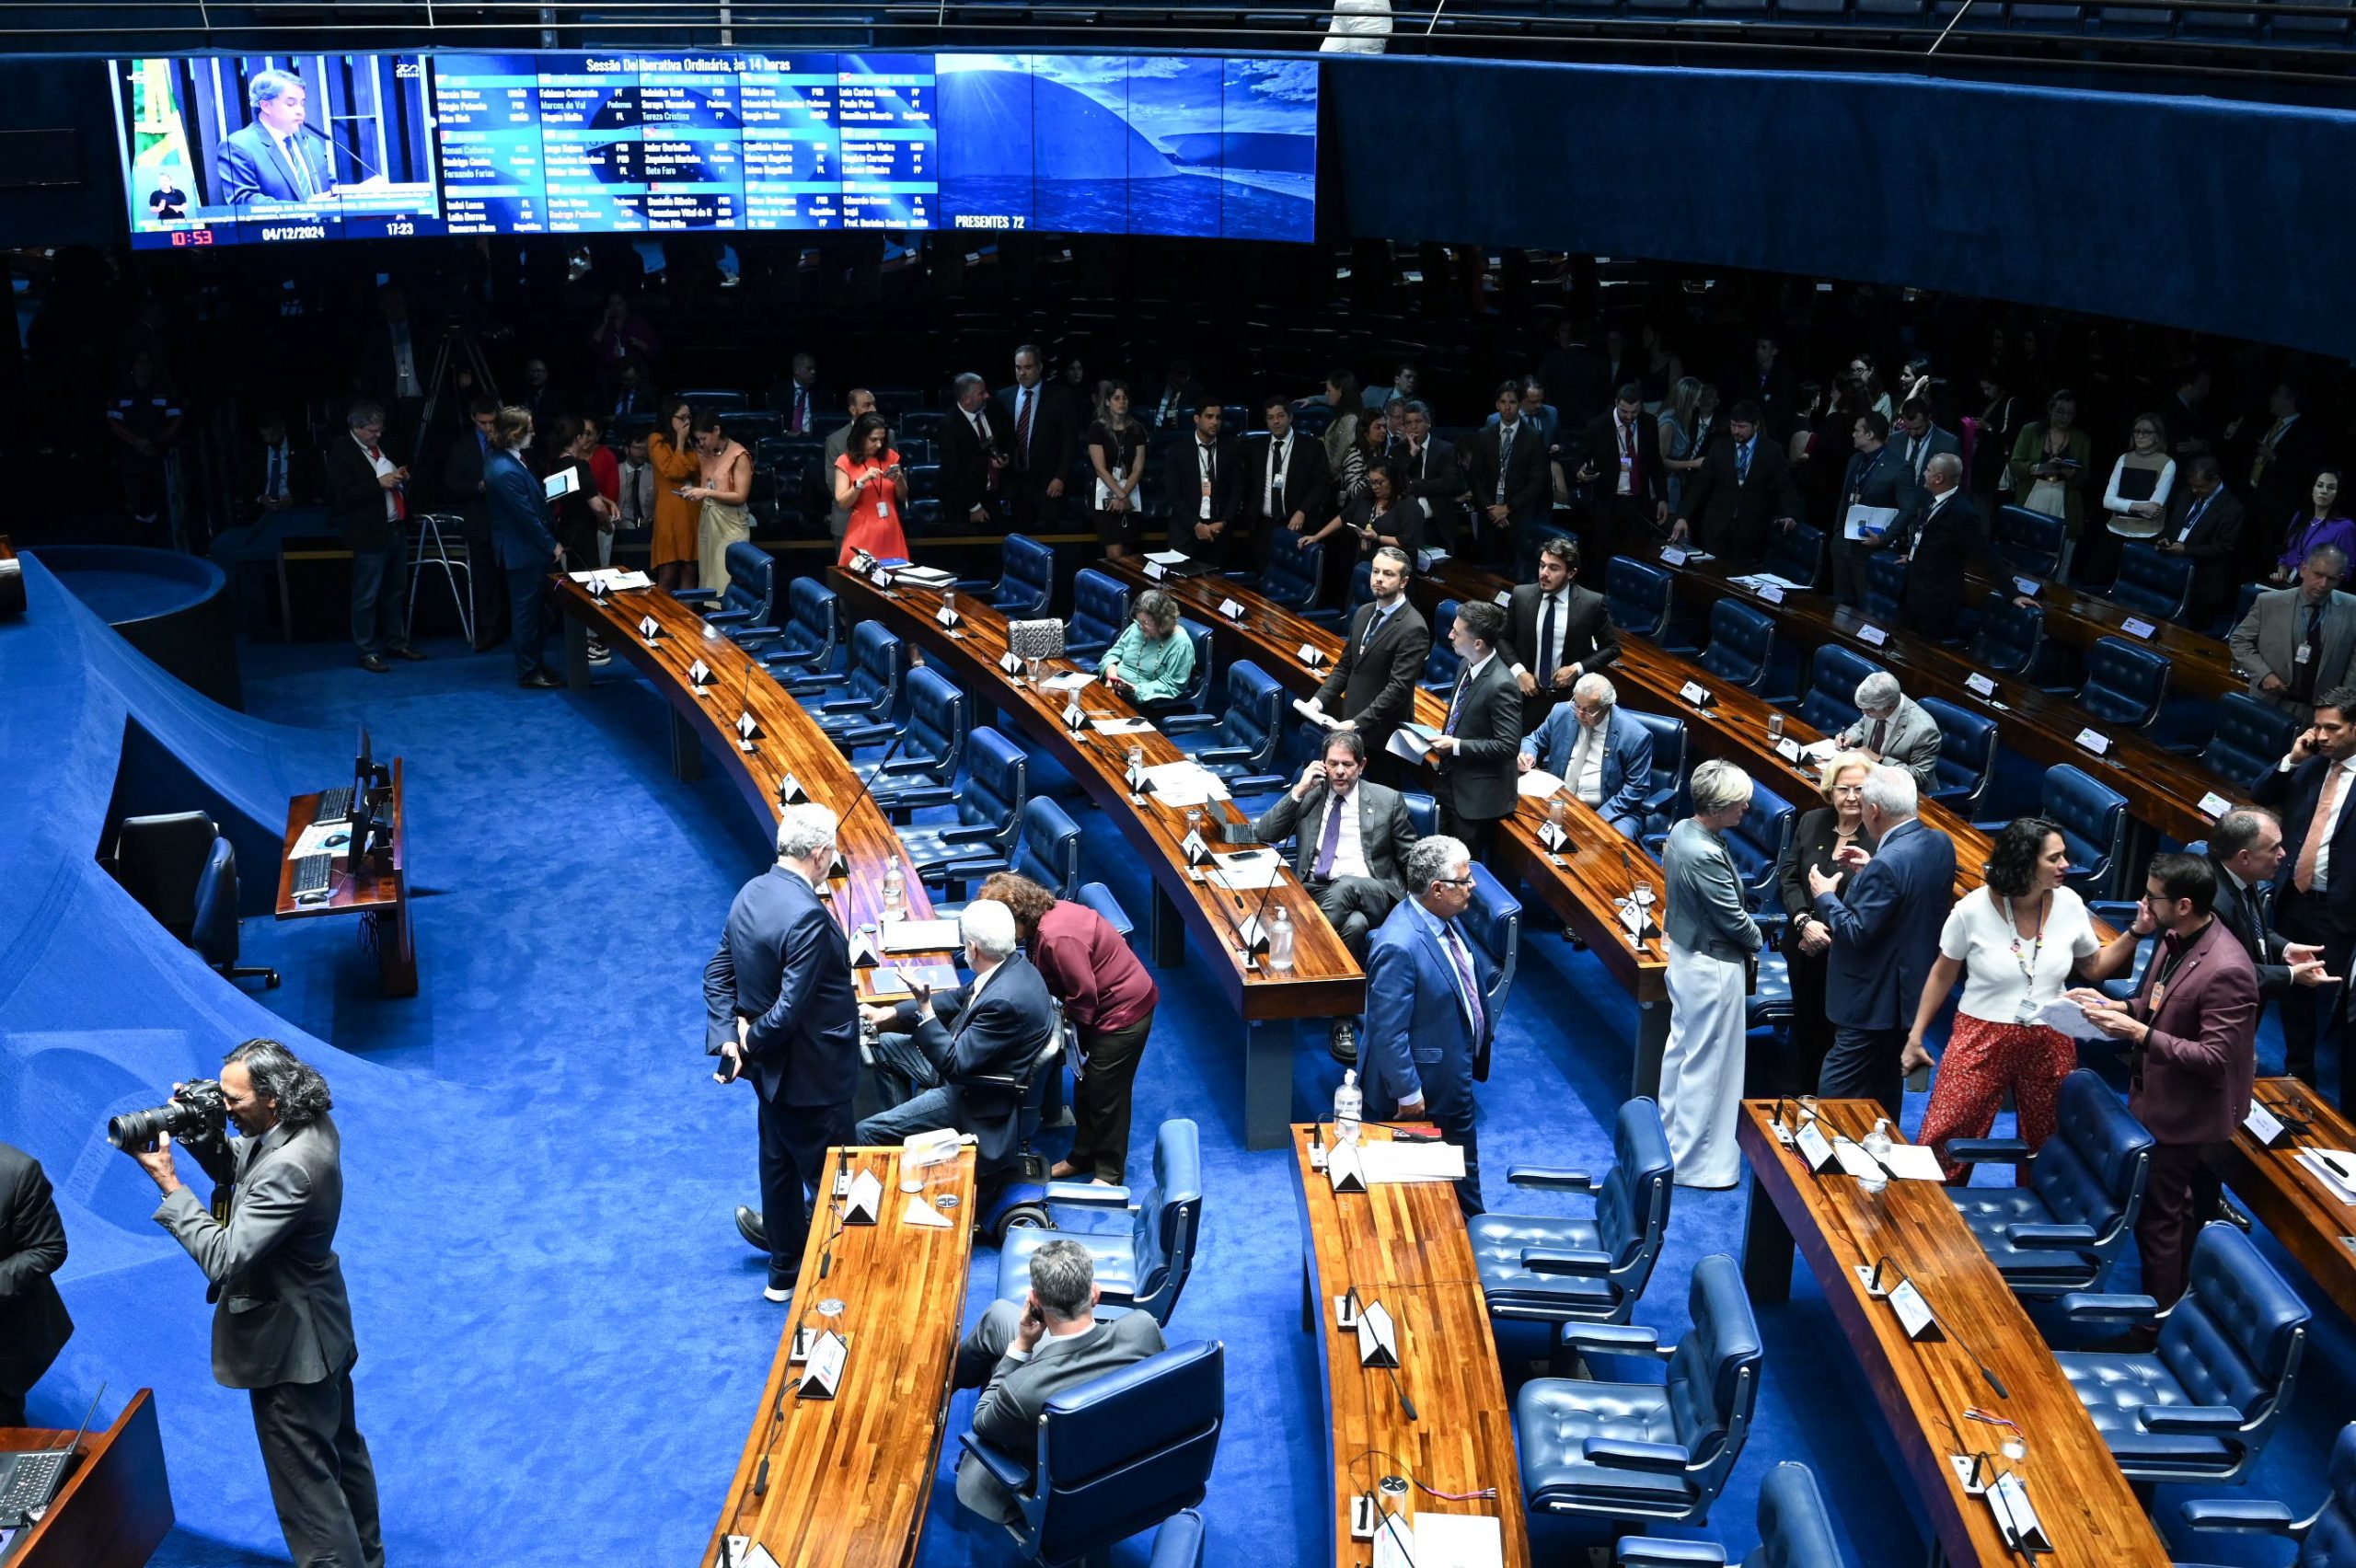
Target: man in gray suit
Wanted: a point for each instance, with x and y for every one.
(1022, 1357)
(2295, 642)
(283, 1328)
(1892, 728)
(1916, 441)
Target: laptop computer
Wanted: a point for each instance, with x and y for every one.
(29, 1477)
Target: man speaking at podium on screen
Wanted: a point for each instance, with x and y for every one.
(278, 157)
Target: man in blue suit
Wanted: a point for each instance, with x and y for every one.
(780, 1007)
(1427, 1027)
(1877, 480)
(994, 1025)
(1885, 926)
(1605, 757)
(276, 157)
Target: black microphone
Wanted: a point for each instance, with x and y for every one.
(1993, 1381)
(341, 147)
(841, 1205)
(844, 815)
(1406, 1403)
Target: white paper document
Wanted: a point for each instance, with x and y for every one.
(1537, 784)
(1249, 872)
(1167, 558)
(1869, 524)
(1817, 750)
(1076, 680)
(927, 576)
(920, 936)
(1913, 1162)
(1441, 1540)
(1396, 1162)
(1411, 742)
(1755, 580)
(2338, 1171)
(615, 579)
(331, 837)
(919, 1212)
(1856, 1161)
(1123, 726)
(2067, 1017)
(1317, 716)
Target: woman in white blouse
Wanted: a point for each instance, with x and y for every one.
(2142, 516)
(2017, 942)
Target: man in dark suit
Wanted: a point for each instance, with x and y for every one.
(2247, 851)
(33, 1323)
(1478, 744)
(1602, 755)
(462, 486)
(2191, 1035)
(275, 471)
(1768, 385)
(368, 504)
(972, 459)
(283, 1330)
(1513, 490)
(1372, 686)
(1034, 414)
(1021, 1356)
(1742, 489)
(1937, 543)
(1428, 474)
(392, 368)
(275, 156)
(2283, 464)
(1204, 482)
(2205, 527)
(1427, 1023)
(1620, 465)
(1917, 440)
(1556, 631)
(2314, 892)
(1878, 482)
(997, 1024)
(797, 399)
(1885, 912)
(780, 1008)
(1283, 488)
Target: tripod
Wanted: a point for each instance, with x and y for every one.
(459, 346)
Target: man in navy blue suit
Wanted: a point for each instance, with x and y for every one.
(1605, 757)
(780, 1007)
(2315, 891)
(276, 157)
(1885, 926)
(1428, 1027)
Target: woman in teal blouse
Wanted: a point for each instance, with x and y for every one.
(1151, 663)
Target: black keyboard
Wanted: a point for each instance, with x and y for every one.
(34, 1483)
(336, 803)
(312, 875)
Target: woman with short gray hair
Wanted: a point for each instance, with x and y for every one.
(1710, 941)
(1153, 661)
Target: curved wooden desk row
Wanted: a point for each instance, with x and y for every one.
(2200, 664)
(1324, 981)
(2291, 1200)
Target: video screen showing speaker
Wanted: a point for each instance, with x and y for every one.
(263, 149)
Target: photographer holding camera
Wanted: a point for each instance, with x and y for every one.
(283, 1328)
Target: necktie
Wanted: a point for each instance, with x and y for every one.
(1465, 986)
(2303, 679)
(1873, 745)
(274, 486)
(303, 186)
(401, 506)
(1505, 456)
(801, 409)
(1456, 701)
(2304, 877)
(1545, 671)
(1373, 625)
(1022, 430)
(1330, 842)
(1743, 463)
(1276, 453)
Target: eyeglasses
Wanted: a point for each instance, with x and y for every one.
(1452, 882)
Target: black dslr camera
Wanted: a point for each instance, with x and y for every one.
(196, 1113)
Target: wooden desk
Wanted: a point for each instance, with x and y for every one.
(1324, 981)
(2088, 1509)
(1581, 887)
(2198, 664)
(2312, 1225)
(849, 1477)
(116, 1507)
(377, 892)
(1405, 1245)
(790, 742)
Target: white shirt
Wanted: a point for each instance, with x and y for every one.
(274, 472)
(1550, 656)
(1982, 937)
(1586, 772)
(383, 466)
(1203, 450)
(1279, 464)
(2330, 822)
(1349, 846)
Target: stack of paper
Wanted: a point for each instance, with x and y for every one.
(1440, 1541)
(1397, 1163)
(615, 579)
(927, 576)
(919, 935)
(1538, 784)
(1250, 871)
(1168, 558)
(1123, 726)
(2337, 1170)
(1075, 681)
(1317, 716)
(1755, 580)
(1184, 783)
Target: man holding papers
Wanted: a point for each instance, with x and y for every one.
(1482, 738)
(1878, 491)
(1372, 687)
(1427, 1027)
(1605, 757)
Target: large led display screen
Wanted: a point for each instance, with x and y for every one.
(248, 150)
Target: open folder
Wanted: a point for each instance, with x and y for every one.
(1412, 741)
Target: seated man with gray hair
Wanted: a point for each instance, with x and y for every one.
(994, 1025)
(1022, 1357)
(1892, 728)
(1604, 756)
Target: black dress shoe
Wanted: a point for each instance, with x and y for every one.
(2231, 1215)
(749, 1226)
(1342, 1042)
(411, 654)
(374, 664)
(539, 681)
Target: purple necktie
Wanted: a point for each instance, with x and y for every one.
(1464, 961)
(1331, 841)
(1462, 681)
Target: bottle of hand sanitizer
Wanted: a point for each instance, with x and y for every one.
(1349, 1103)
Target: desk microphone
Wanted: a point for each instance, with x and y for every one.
(844, 815)
(842, 1190)
(1993, 1381)
(341, 147)
(1357, 1310)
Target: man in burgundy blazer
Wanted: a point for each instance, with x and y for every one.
(2192, 1036)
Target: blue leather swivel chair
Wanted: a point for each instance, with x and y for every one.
(877, 669)
(1967, 754)
(932, 743)
(2326, 1539)
(1117, 1453)
(2240, 613)
(1667, 778)
(1100, 613)
(1292, 573)
(1026, 579)
(1567, 1269)
(2010, 637)
(1143, 1258)
(2151, 584)
(1795, 1531)
(1239, 744)
(2249, 739)
(743, 607)
(1046, 849)
(214, 934)
(1756, 843)
(1646, 1451)
(718, 399)
(2062, 1232)
(1638, 593)
(987, 798)
(1741, 647)
(1361, 593)
(1885, 588)
(812, 629)
(1441, 666)
(2027, 542)
(2092, 820)
(2202, 1405)
(1796, 555)
(2125, 682)
(1830, 699)
(1198, 685)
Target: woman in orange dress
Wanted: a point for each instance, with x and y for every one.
(871, 484)
(671, 451)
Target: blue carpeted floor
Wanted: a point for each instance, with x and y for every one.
(562, 1338)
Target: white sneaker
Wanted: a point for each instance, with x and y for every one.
(771, 1293)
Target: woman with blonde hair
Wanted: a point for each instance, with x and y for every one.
(1816, 842)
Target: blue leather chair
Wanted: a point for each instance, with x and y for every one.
(878, 667)
(1100, 613)
(1796, 556)
(812, 629)
(750, 426)
(1441, 666)
(2010, 637)
(1179, 1542)
(1756, 843)
(2151, 584)
(1292, 573)
(1492, 922)
(1026, 579)
(2240, 612)
(1741, 647)
(2202, 1405)
(1239, 744)
(1795, 1531)
(2027, 542)
(1830, 700)
(1645, 1450)
(1423, 812)
(1885, 588)
(214, 933)
(2061, 1232)
(1117, 1453)
(1566, 1269)
(2249, 739)
(1141, 1263)
(1668, 780)
(1967, 754)
(2326, 1539)
(932, 743)
(1639, 596)
(2125, 682)
(1361, 593)
(922, 424)
(1198, 685)
(924, 482)
(742, 607)
(1046, 850)
(2092, 820)
(989, 800)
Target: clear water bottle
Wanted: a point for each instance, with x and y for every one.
(1349, 1103)
(895, 893)
(1877, 1141)
(1280, 940)
(1554, 812)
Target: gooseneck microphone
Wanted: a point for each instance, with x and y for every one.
(341, 148)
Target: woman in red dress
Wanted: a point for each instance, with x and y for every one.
(872, 488)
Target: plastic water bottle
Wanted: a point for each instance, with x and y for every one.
(1349, 1102)
(1877, 1141)
(1280, 940)
(895, 893)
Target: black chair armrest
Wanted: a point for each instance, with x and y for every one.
(1986, 1151)
(2091, 1306)
(1010, 1473)
(1551, 1179)
(1657, 1552)
(1610, 1339)
(1661, 1458)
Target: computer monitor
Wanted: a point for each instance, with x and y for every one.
(365, 774)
